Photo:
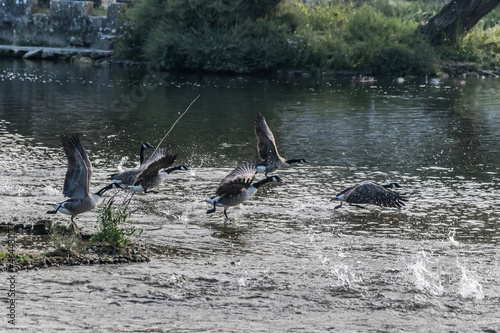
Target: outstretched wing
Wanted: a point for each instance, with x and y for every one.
(266, 144)
(77, 181)
(375, 194)
(241, 177)
(126, 177)
(153, 166)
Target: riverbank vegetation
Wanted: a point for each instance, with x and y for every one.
(234, 36)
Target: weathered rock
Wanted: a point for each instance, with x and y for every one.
(9, 9)
(18, 226)
(48, 54)
(113, 17)
(33, 54)
(42, 227)
(62, 229)
(71, 9)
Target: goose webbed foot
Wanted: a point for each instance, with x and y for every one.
(154, 192)
(210, 211)
(54, 211)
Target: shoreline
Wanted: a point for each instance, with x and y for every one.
(99, 57)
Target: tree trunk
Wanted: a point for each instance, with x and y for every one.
(456, 19)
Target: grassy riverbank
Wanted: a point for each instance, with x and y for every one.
(376, 36)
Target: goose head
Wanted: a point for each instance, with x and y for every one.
(392, 185)
(276, 179)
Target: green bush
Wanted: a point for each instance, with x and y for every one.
(247, 36)
(224, 35)
(114, 227)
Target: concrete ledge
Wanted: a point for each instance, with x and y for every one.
(33, 52)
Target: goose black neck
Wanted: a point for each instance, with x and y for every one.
(296, 160)
(104, 189)
(177, 168)
(141, 154)
(262, 182)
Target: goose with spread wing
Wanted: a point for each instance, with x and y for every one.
(148, 172)
(151, 174)
(369, 192)
(237, 187)
(268, 152)
(128, 178)
(77, 180)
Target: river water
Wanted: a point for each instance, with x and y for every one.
(287, 261)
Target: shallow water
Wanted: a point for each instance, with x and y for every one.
(286, 261)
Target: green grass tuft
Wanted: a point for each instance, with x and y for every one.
(114, 225)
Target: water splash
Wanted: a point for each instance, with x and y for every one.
(470, 286)
(12, 190)
(426, 280)
(51, 191)
(120, 166)
(346, 279)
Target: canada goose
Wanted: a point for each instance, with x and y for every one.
(237, 187)
(369, 192)
(77, 180)
(150, 174)
(120, 177)
(399, 80)
(129, 178)
(432, 81)
(268, 152)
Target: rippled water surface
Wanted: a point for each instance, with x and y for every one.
(286, 261)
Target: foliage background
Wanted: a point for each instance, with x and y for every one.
(245, 36)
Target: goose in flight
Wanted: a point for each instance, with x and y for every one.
(268, 152)
(77, 180)
(369, 192)
(150, 172)
(237, 187)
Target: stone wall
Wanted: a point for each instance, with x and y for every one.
(70, 23)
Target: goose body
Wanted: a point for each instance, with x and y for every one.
(237, 187)
(268, 152)
(369, 192)
(77, 180)
(150, 174)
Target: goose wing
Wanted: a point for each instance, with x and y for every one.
(238, 179)
(266, 144)
(126, 177)
(373, 193)
(77, 181)
(155, 163)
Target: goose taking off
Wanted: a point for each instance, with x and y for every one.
(77, 181)
(150, 173)
(268, 152)
(129, 178)
(369, 192)
(237, 187)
